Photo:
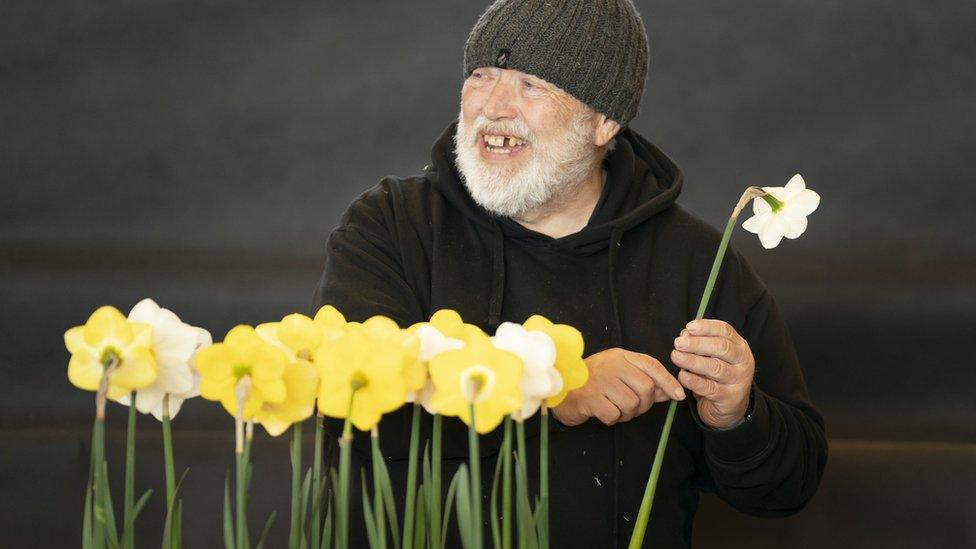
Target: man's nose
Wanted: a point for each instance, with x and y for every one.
(500, 102)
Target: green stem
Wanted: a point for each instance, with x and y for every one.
(378, 515)
(435, 483)
(129, 540)
(345, 457)
(408, 511)
(474, 458)
(507, 485)
(240, 472)
(544, 471)
(316, 480)
(168, 453)
(640, 526)
(295, 534)
(520, 438)
(98, 468)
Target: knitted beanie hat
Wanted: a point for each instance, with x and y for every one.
(594, 49)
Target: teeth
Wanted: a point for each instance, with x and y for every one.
(502, 141)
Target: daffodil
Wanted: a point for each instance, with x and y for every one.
(367, 359)
(298, 336)
(243, 359)
(478, 374)
(782, 212)
(540, 379)
(331, 322)
(569, 355)
(432, 343)
(449, 323)
(174, 344)
(109, 342)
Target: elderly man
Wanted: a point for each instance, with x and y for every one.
(541, 199)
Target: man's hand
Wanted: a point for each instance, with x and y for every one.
(622, 385)
(717, 366)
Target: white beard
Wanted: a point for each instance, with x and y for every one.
(552, 170)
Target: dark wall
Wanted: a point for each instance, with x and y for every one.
(199, 152)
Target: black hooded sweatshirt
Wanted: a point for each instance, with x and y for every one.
(632, 278)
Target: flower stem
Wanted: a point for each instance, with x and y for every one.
(316, 480)
(168, 453)
(640, 526)
(98, 468)
(408, 511)
(295, 533)
(544, 474)
(129, 535)
(475, 463)
(378, 514)
(435, 483)
(241, 455)
(507, 485)
(520, 440)
(345, 457)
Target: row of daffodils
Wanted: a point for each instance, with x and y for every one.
(280, 374)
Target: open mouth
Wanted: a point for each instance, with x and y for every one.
(501, 147)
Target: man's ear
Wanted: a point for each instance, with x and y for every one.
(606, 129)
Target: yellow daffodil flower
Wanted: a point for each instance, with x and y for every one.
(478, 374)
(569, 354)
(449, 323)
(301, 384)
(330, 321)
(243, 353)
(296, 334)
(109, 340)
(432, 343)
(368, 359)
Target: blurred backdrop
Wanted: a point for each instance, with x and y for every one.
(200, 152)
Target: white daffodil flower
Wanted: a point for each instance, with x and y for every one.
(540, 379)
(782, 212)
(174, 344)
(432, 343)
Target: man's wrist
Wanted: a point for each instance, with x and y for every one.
(748, 439)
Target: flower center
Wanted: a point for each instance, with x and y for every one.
(305, 354)
(773, 202)
(241, 370)
(358, 381)
(110, 356)
(476, 383)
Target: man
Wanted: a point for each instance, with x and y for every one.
(541, 200)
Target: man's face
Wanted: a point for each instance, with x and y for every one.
(521, 141)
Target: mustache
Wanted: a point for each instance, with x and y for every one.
(516, 128)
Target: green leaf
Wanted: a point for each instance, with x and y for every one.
(228, 521)
(266, 529)
(420, 520)
(111, 531)
(464, 511)
(386, 489)
(306, 488)
(86, 521)
(171, 538)
(451, 492)
(526, 522)
(496, 535)
(327, 528)
(368, 517)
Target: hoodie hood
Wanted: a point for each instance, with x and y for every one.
(641, 182)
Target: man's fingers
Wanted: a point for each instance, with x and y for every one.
(645, 389)
(657, 372)
(606, 411)
(702, 387)
(705, 366)
(624, 398)
(711, 327)
(716, 346)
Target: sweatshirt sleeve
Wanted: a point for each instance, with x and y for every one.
(363, 274)
(770, 464)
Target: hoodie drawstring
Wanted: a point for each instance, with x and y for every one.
(497, 278)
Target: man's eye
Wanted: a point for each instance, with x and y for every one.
(527, 84)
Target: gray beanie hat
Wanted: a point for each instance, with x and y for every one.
(594, 49)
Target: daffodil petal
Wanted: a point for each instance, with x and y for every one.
(85, 371)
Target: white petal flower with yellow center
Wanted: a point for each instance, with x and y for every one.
(540, 379)
(174, 345)
(782, 212)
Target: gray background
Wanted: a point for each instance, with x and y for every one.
(199, 152)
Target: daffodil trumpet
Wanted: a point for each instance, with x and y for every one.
(779, 212)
